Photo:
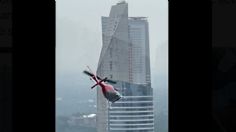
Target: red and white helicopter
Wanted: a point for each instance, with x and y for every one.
(109, 92)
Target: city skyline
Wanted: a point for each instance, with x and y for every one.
(79, 41)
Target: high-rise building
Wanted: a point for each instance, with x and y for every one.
(125, 58)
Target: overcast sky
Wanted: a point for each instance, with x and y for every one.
(79, 35)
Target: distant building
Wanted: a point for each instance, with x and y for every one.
(125, 58)
(85, 120)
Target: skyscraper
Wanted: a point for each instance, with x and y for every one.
(125, 58)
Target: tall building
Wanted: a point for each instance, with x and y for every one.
(125, 58)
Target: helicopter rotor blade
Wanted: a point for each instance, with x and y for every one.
(110, 81)
(88, 73)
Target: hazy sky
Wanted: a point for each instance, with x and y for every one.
(79, 35)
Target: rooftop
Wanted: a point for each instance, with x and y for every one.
(121, 2)
(138, 18)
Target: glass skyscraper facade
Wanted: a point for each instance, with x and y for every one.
(125, 59)
(134, 112)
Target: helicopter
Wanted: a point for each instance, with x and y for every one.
(109, 92)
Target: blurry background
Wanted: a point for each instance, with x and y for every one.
(79, 42)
